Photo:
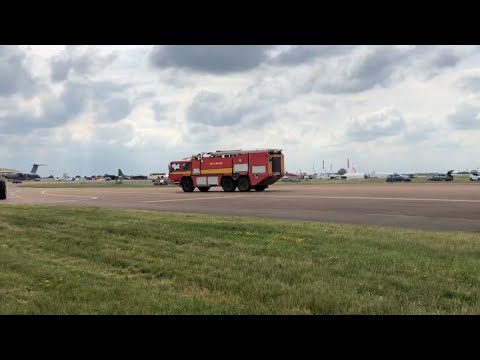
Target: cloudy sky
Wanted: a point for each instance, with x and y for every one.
(93, 109)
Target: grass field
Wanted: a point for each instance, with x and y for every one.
(65, 260)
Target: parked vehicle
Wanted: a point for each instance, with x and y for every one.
(475, 176)
(442, 177)
(160, 181)
(397, 178)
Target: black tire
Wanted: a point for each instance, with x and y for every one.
(260, 187)
(244, 184)
(187, 184)
(3, 190)
(204, 189)
(228, 184)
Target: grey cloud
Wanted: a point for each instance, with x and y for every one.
(470, 83)
(465, 117)
(106, 96)
(16, 123)
(116, 134)
(387, 122)
(75, 97)
(421, 131)
(80, 64)
(303, 53)
(202, 135)
(213, 109)
(160, 110)
(102, 90)
(216, 59)
(60, 70)
(445, 59)
(14, 76)
(438, 61)
(376, 68)
(359, 72)
(56, 111)
(258, 120)
(74, 100)
(114, 109)
(383, 65)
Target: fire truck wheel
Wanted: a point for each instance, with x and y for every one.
(3, 190)
(244, 184)
(228, 184)
(187, 185)
(204, 189)
(260, 187)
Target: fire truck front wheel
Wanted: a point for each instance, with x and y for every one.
(3, 190)
(228, 184)
(244, 184)
(187, 185)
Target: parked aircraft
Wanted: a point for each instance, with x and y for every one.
(353, 175)
(17, 175)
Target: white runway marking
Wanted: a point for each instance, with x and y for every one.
(193, 199)
(372, 198)
(68, 195)
(14, 194)
(420, 216)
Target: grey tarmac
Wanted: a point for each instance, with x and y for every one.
(435, 206)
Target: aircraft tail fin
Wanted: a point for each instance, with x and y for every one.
(35, 168)
(120, 173)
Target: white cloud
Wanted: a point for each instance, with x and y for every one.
(94, 109)
(376, 125)
(466, 115)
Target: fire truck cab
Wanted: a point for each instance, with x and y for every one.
(245, 169)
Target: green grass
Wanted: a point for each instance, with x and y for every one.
(66, 260)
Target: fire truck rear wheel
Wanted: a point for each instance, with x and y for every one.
(244, 184)
(187, 185)
(228, 184)
(260, 187)
(204, 189)
(3, 190)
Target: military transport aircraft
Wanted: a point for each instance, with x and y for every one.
(11, 174)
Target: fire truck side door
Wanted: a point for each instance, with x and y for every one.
(187, 166)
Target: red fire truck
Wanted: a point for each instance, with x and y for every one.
(245, 169)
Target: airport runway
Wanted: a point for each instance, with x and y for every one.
(435, 206)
